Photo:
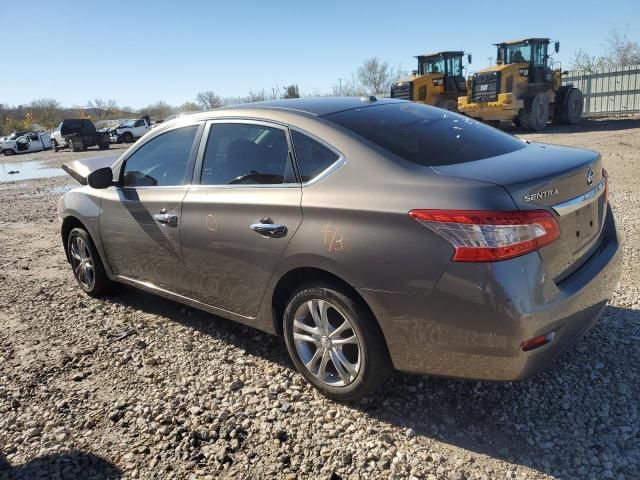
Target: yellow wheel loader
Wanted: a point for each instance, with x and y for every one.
(438, 81)
(522, 87)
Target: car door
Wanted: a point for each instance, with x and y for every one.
(240, 214)
(140, 217)
(139, 128)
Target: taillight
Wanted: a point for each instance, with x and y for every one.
(605, 175)
(489, 236)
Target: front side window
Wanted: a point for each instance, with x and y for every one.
(433, 65)
(162, 161)
(239, 153)
(539, 55)
(426, 135)
(313, 157)
(519, 53)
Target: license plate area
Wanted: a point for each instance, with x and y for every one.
(583, 226)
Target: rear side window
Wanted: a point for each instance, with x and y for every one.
(162, 161)
(426, 135)
(246, 154)
(313, 157)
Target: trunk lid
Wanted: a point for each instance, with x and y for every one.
(566, 181)
(81, 168)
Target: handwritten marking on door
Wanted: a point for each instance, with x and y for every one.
(333, 238)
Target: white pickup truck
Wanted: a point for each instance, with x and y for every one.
(25, 142)
(130, 130)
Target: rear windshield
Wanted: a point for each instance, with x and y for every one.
(426, 135)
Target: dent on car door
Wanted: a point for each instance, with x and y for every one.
(240, 218)
(140, 218)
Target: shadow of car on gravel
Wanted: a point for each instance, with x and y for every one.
(68, 465)
(556, 422)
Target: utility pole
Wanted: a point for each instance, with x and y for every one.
(340, 81)
(490, 59)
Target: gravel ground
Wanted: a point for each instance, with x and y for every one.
(135, 386)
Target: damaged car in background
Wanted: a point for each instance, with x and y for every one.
(25, 142)
(372, 234)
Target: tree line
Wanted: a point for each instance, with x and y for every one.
(373, 77)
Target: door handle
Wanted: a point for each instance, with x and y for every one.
(268, 229)
(169, 219)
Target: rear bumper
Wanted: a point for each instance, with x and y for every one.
(505, 108)
(473, 322)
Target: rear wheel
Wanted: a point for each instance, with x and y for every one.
(76, 145)
(335, 343)
(86, 263)
(535, 113)
(103, 146)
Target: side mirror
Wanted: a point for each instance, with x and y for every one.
(469, 58)
(101, 178)
(556, 47)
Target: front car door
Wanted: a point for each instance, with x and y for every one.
(240, 214)
(140, 218)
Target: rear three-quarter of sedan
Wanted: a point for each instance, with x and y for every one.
(371, 234)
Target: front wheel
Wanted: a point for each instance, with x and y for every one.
(86, 263)
(127, 138)
(335, 343)
(8, 152)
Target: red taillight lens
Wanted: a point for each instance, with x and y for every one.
(537, 342)
(489, 236)
(606, 186)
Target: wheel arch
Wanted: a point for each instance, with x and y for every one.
(295, 277)
(69, 223)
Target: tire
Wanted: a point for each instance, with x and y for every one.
(363, 361)
(127, 137)
(448, 104)
(103, 146)
(8, 152)
(571, 109)
(76, 145)
(534, 116)
(55, 146)
(86, 264)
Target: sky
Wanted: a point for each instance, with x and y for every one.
(138, 52)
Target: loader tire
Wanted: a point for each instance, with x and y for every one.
(535, 113)
(449, 104)
(570, 105)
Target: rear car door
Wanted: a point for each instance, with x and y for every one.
(240, 214)
(140, 218)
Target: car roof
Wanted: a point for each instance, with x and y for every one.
(316, 106)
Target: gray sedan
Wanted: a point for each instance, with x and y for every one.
(372, 234)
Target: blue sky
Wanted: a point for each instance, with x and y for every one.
(138, 52)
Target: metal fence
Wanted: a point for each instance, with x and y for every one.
(608, 91)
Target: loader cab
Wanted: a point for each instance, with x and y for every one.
(531, 51)
(448, 64)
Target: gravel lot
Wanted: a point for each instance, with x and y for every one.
(135, 386)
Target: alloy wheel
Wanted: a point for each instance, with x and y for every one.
(327, 343)
(82, 263)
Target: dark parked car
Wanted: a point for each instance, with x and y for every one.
(371, 234)
(78, 134)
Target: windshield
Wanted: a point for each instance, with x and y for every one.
(518, 53)
(426, 135)
(128, 123)
(431, 65)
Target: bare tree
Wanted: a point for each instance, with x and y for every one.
(619, 52)
(291, 92)
(160, 110)
(188, 107)
(99, 105)
(208, 100)
(375, 75)
(45, 111)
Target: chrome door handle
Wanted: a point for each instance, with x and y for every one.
(268, 229)
(166, 219)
